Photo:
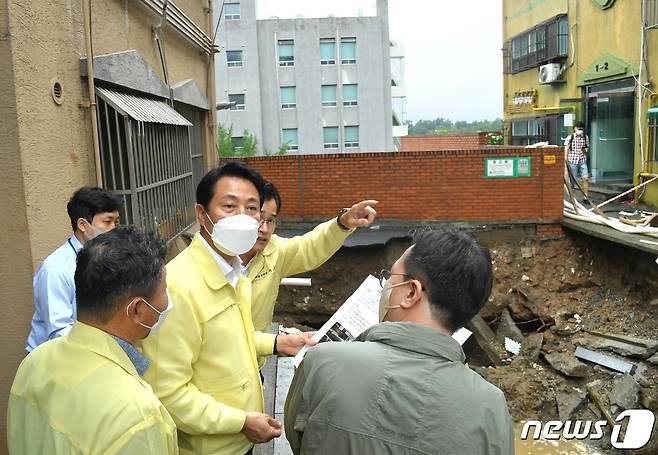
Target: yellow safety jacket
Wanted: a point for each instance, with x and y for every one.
(203, 360)
(81, 394)
(284, 257)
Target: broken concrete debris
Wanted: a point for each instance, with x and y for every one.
(606, 361)
(624, 348)
(507, 328)
(531, 347)
(567, 364)
(625, 392)
(569, 403)
(653, 359)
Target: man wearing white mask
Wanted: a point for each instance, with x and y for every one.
(92, 211)
(83, 393)
(402, 387)
(204, 360)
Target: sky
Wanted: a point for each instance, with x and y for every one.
(453, 57)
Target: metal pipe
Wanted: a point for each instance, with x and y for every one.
(296, 282)
(92, 92)
(640, 94)
(211, 86)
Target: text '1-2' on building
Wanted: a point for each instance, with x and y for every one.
(322, 80)
(593, 61)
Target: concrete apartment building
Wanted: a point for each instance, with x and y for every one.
(322, 84)
(47, 138)
(588, 60)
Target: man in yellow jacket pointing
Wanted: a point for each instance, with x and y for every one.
(204, 360)
(83, 393)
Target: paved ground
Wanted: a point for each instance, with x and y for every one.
(278, 374)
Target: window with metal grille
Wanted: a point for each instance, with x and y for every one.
(348, 51)
(651, 14)
(238, 101)
(327, 51)
(329, 95)
(529, 131)
(237, 142)
(290, 137)
(197, 118)
(286, 53)
(233, 59)
(232, 11)
(146, 159)
(330, 137)
(652, 139)
(288, 97)
(350, 95)
(544, 43)
(351, 137)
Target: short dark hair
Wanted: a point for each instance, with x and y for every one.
(205, 190)
(579, 124)
(89, 201)
(122, 263)
(270, 192)
(456, 272)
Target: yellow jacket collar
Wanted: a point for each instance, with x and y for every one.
(208, 266)
(102, 344)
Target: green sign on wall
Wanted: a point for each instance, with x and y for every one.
(507, 168)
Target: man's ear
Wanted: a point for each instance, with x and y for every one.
(82, 224)
(201, 215)
(413, 296)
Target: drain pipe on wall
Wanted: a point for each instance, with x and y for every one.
(640, 96)
(86, 12)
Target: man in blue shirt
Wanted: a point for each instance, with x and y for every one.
(92, 211)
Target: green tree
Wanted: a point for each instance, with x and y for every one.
(442, 125)
(226, 146)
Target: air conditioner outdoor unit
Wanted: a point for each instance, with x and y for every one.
(549, 73)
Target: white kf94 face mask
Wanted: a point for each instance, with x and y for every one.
(234, 235)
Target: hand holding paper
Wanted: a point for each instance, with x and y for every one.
(291, 344)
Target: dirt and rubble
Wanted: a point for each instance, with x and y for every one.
(551, 295)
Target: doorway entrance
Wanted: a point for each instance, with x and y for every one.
(611, 128)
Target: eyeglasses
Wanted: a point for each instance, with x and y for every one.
(269, 222)
(384, 275)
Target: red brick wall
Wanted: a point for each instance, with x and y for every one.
(441, 186)
(456, 141)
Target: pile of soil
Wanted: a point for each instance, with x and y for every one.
(556, 291)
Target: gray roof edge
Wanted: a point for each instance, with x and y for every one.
(126, 69)
(189, 92)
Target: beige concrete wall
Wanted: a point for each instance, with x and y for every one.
(46, 148)
(594, 31)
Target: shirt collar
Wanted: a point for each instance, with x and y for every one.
(138, 359)
(75, 244)
(232, 270)
(417, 338)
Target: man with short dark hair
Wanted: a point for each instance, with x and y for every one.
(576, 146)
(402, 387)
(83, 393)
(204, 361)
(92, 211)
(274, 257)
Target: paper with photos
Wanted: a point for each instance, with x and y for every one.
(359, 312)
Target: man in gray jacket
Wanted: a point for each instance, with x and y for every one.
(402, 387)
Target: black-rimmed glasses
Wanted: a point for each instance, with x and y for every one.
(384, 275)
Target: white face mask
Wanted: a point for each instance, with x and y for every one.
(162, 315)
(234, 235)
(93, 231)
(579, 132)
(383, 300)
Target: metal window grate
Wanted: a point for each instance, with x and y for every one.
(651, 19)
(146, 159)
